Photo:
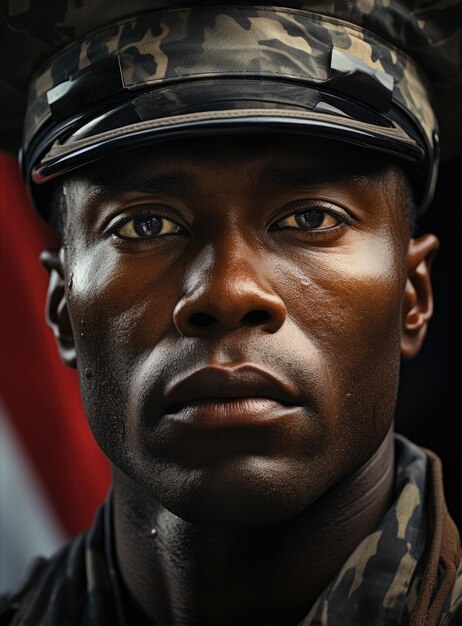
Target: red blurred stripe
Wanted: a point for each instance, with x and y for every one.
(40, 394)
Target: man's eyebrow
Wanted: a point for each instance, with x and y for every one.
(308, 176)
(116, 182)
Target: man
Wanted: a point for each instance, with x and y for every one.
(235, 189)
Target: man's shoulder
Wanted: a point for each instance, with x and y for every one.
(11, 601)
(45, 578)
(74, 586)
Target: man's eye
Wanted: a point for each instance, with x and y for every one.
(147, 227)
(309, 219)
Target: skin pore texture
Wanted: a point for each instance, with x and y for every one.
(237, 309)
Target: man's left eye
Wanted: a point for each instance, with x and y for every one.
(147, 227)
(309, 219)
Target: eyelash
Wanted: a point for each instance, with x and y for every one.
(152, 213)
(342, 217)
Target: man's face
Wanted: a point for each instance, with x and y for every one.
(272, 272)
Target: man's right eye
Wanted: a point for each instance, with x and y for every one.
(147, 227)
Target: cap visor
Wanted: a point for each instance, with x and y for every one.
(218, 107)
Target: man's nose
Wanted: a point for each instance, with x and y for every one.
(225, 291)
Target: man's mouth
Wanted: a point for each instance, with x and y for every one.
(230, 395)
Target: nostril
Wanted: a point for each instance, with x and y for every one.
(202, 319)
(259, 316)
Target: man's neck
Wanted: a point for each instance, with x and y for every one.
(182, 573)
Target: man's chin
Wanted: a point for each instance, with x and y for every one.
(243, 492)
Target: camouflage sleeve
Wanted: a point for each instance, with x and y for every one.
(453, 616)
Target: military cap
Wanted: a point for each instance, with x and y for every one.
(84, 79)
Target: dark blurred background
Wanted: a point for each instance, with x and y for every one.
(428, 410)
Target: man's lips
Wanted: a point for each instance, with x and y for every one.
(243, 393)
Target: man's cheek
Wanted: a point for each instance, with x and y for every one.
(100, 298)
(353, 288)
(347, 300)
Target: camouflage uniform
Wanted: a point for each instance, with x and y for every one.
(402, 573)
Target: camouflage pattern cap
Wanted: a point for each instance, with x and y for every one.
(105, 75)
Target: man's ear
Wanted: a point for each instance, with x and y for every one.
(418, 294)
(56, 306)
